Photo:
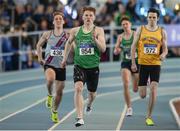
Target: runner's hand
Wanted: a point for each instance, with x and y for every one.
(162, 57)
(95, 36)
(41, 62)
(117, 51)
(134, 67)
(63, 64)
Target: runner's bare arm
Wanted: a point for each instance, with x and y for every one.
(134, 44)
(117, 48)
(164, 45)
(40, 43)
(99, 38)
(69, 42)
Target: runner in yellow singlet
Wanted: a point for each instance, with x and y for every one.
(149, 40)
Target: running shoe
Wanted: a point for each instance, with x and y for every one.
(79, 122)
(54, 116)
(49, 101)
(149, 122)
(88, 110)
(129, 111)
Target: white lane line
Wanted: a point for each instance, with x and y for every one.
(26, 108)
(101, 78)
(68, 74)
(105, 66)
(22, 80)
(101, 85)
(167, 91)
(20, 91)
(27, 79)
(122, 116)
(30, 106)
(175, 114)
(63, 119)
(68, 82)
(69, 114)
(73, 111)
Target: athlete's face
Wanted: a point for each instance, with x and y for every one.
(58, 21)
(152, 18)
(88, 17)
(126, 25)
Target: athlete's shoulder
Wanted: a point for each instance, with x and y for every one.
(46, 34)
(141, 27)
(162, 28)
(120, 36)
(98, 28)
(138, 31)
(74, 30)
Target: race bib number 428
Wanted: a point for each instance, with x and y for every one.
(150, 49)
(56, 52)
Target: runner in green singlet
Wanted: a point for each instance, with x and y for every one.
(123, 45)
(89, 43)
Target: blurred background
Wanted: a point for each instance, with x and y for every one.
(22, 22)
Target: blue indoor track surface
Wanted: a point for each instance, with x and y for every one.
(23, 94)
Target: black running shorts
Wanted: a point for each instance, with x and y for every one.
(128, 64)
(146, 71)
(60, 72)
(88, 76)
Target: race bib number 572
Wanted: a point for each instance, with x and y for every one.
(150, 49)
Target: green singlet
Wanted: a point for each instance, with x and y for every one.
(126, 49)
(87, 54)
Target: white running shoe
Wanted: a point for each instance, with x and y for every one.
(79, 122)
(129, 111)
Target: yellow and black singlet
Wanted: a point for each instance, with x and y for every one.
(149, 45)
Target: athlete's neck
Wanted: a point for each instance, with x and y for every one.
(58, 31)
(152, 27)
(88, 27)
(127, 32)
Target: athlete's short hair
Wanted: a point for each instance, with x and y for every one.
(58, 13)
(124, 18)
(154, 10)
(89, 8)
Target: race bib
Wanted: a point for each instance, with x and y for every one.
(150, 49)
(86, 50)
(55, 51)
(128, 55)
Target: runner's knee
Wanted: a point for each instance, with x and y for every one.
(142, 94)
(126, 84)
(153, 88)
(78, 88)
